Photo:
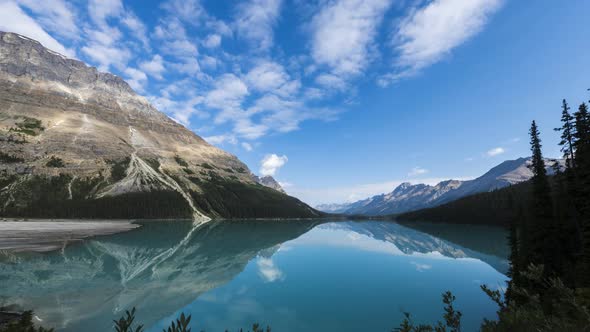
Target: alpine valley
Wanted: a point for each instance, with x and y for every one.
(79, 143)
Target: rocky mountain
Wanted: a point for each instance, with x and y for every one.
(76, 142)
(333, 208)
(270, 182)
(408, 197)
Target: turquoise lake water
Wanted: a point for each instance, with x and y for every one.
(292, 275)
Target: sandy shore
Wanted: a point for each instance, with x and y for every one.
(46, 235)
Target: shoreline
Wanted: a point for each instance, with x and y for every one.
(18, 235)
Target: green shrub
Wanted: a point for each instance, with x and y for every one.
(29, 126)
(154, 163)
(9, 159)
(24, 324)
(180, 161)
(206, 166)
(55, 162)
(181, 324)
(119, 169)
(452, 319)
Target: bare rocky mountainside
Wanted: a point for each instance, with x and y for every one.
(76, 142)
(407, 197)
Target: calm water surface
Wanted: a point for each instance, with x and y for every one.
(291, 275)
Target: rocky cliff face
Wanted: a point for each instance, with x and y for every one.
(408, 197)
(74, 136)
(270, 182)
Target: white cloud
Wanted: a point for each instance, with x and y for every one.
(137, 27)
(344, 32)
(417, 171)
(136, 78)
(212, 41)
(431, 32)
(174, 38)
(209, 62)
(267, 76)
(55, 15)
(180, 110)
(255, 22)
(14, 19)
(181, 47)
(188, 66)
(420, 267)
(249, 130)
(104, 45)
(271, 163)
(495, 152)
(227, 95)
(220, 139)
(106, 55)
(331, 82)
(101, 10)
(187, 10)
(154, 67)
(247, 146)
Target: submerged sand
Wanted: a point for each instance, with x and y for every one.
(46, 235)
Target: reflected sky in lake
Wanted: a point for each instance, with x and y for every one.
(293, 275)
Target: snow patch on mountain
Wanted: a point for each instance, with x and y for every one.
(408, 197)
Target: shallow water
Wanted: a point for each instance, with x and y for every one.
(292, 275)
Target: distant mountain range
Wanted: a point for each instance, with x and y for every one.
(407, 197)
(79, 143)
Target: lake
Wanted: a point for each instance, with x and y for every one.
(292, 275)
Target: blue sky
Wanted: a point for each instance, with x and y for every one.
(338, 99)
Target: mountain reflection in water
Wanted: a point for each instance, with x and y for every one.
(165, 266)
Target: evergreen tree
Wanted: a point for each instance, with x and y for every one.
(567, 134)
(581, 186)
(513, 241)
(545, 241)
(582, 128)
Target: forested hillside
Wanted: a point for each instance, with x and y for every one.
(549, 223)
(498, 207)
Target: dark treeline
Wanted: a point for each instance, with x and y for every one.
(230, 198)
(549, 223)
(498, 207)
(550, 243)
(555, 232)
(64, 196)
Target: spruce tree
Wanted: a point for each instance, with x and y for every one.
(567, 134)
(515, 253)
(545, 241)
(582, 128)
(581, 189)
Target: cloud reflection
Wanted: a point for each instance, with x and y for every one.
(268, 271)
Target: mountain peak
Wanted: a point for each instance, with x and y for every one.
(269, 181)
(91, 138)
(402, 186)
(407, 197)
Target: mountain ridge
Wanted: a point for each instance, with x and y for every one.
(407, 197)
(76, 141)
